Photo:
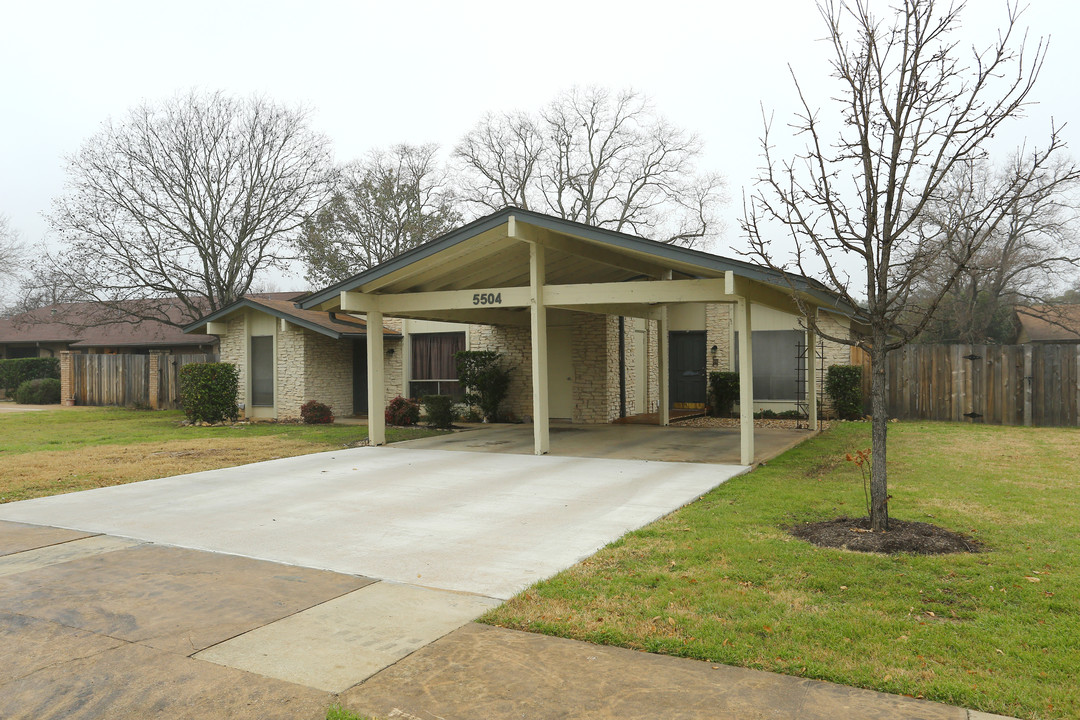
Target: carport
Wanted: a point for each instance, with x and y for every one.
(524, 269)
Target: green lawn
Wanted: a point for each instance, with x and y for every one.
(68, 449)
(722, 580)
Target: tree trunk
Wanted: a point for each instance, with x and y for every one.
(879, 488)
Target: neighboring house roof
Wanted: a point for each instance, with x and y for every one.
(507, 260)
(61, 323)
(335, 325)
(1049, 323)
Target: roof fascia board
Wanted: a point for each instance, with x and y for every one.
(421, 252)
(245, 303)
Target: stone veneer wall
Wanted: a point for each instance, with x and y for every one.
(515, 344)
(718, 332)
(653, 345)
(232, 348)
(595, 351)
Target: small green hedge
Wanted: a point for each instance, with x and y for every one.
(208, 391)
(843, 385)
(439, 410)
(43, 391)
(723, 392)
(484, 378)
(14, 373)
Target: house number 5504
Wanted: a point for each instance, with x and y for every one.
(487, 299)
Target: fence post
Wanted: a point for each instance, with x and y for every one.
(67, 378)
(155, 378)
(1029, 380)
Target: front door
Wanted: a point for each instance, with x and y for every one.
(560, 373)
(687, 369)
(359, 377)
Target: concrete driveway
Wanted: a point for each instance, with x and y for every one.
(489, 524)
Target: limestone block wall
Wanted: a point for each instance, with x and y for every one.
(232, 348)
(718, 332)
(515, 344)
(653, 344)
(328, 374)
(595, 350)
(393, 365)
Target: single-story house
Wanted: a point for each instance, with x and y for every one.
(593, 324)
(85, 327)
(1057, 324)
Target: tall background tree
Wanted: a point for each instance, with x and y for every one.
(185, 202)
(913, 108)
(1024, 262)
(387, 203)
(12, 259)
(594, 156)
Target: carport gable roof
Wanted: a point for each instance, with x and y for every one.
(489, 253)
(330, 324)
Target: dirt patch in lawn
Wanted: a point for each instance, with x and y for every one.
(903, 536)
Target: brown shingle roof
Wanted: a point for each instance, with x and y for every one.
(1050, 323)
(61, 323)
(334, 324)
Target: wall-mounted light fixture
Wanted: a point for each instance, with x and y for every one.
(715, 359)
(390, 352)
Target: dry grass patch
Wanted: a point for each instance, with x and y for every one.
(58, 471)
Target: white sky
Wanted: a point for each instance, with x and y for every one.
(377, 73)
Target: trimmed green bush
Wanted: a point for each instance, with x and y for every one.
(316, 413)
(723, 392)
(208, 391)
(15, 372)
(485, 380)
(402, 412)
(843, 385)
(439, 410)
(43, 391)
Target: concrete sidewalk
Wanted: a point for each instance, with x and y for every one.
(100, 628)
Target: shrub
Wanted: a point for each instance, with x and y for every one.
(15, 372)
(439, 410)
(723, 392)
(208, 391)
(316, 413)
(402, 411)
(843, 385)
(43, 391)
(485, 380)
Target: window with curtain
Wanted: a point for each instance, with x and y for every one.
(775, 363)
(433, 367)
(262, 370)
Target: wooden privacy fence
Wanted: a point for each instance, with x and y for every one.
(125, 380)
(1031, 384)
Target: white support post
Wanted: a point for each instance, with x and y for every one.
(538, 326)
(811, 376)
(376, 380)
(746, 385)
(663, 367)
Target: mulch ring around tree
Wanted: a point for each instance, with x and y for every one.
(902, 536)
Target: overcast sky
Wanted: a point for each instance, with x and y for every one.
(381, 73)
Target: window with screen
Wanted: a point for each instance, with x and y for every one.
(262, 370)
(775, 363)
(433, 366)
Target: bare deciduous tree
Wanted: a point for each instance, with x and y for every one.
(1022, 262)
(383, 205)
(596, 157)
(912, 110)
(12, 258)
(187, 200)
